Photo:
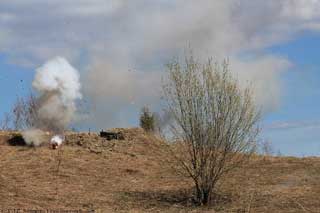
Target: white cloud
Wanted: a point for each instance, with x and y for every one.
(117, 35)
(263, 75)
(287, 125)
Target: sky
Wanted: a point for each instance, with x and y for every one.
(120, 48)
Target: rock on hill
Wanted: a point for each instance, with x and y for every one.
(136, 175)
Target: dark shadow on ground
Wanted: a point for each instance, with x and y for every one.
(181, 198)
(17, 140)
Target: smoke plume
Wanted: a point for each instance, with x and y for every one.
(33, 137)
(124, 44)
(58, 86)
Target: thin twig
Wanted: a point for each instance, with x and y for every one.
(59, 159)
(250, 202)
(300, 205)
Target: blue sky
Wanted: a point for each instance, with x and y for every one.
(15, 81)
(120, 49)
(299, 114)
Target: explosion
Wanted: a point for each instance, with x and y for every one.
(56, 141)
(58, 86)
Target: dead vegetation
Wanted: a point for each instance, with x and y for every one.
(136, 175)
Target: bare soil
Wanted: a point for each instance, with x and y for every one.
(137, 175)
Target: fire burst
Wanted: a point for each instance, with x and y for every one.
(56, 141)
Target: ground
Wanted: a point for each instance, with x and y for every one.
(137, 175)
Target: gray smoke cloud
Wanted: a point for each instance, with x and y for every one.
(124, 44)
(117, 93)
(58, 86)
(33, 137)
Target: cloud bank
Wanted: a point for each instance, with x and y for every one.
(122, 45)
(287, 125)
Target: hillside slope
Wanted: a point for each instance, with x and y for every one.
(136, 175)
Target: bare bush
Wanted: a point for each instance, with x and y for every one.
(24, 113)
(5, 123)
(267, 148)
(215, 122)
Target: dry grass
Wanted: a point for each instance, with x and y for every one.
(135, 175)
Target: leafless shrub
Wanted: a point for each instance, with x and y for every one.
(5, 123)
(24, 113)
(267, 148)
(279, 154)
(215, 122)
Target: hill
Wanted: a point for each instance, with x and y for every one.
(136, 175)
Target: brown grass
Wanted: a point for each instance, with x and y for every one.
(136, 175)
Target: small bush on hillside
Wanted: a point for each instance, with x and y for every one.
(24, 112)
(147, 120)
(266, 148)
(5, 122)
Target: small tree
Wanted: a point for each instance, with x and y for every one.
(24, 113)
(267, 148)
(5, 122)
(147, 120)
(215, 122)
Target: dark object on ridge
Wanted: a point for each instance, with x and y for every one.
(17, 140)
(111, 135)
